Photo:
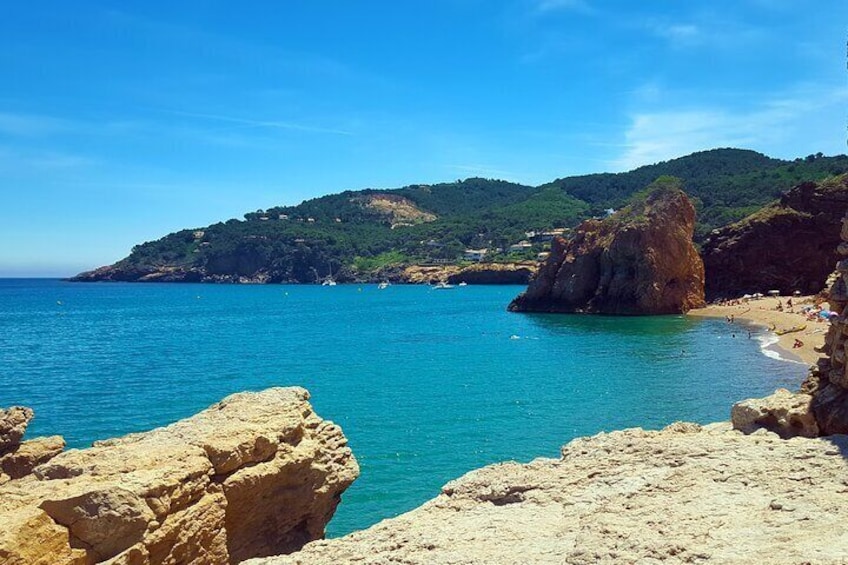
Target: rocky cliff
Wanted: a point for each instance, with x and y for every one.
(640, 260)
(828, 380)
(686, 494)
(787, 246)
(256, 474)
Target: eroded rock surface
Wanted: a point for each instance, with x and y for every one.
(788, 414)
(13, 425)
(640, 260)
(18, 458)
(256, 474)
(683, 495)
(828, 381)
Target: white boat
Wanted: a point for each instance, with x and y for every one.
(463, 283)
(383, 285)
(442, 286)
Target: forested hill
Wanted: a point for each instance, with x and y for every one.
(362, 234)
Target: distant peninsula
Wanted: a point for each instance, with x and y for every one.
(492, 230)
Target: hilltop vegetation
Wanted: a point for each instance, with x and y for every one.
(355, 233)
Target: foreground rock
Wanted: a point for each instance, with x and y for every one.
(13, 425)
(785, 413)
(788, 246)
(256, 474)
(640, 260)
(683, 495)
(18, 458)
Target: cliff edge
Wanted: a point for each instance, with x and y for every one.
(640, 260)
(685, 494)
(256, 474)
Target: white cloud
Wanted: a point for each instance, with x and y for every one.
(271, 124)
(557, 5)
(679, 33)
(792, 125)
(704, 31)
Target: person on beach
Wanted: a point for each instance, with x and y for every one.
(798, 343)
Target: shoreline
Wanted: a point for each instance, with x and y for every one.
(763, 314)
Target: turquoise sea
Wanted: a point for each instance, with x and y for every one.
(426, 384)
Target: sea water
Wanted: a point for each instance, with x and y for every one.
(426, 384)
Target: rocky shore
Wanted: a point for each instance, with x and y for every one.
(256, 474)
(477, 273)
(256, 477)
(686, 494)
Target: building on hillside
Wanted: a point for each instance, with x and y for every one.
(475, 254)
(546, 236)
(522, 245)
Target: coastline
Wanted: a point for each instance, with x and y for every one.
(763, 314)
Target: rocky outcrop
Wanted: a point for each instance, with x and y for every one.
(495, 273)
(479, 273)
(785, 413)
(788, 246)
(640, 260)
(399, 211)
(13, 425)
(828, 381)
(18, 458)
(256, 474)
(682, 495)
(21, 461)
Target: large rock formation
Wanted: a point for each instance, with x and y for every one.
(256, 474)
(828, 381)
(640, 260)
(682, 495)
(787, 246)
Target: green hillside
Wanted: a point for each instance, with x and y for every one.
(350, 233)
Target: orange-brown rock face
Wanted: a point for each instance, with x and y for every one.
(787, 246)
(256, 474)
(638, 261)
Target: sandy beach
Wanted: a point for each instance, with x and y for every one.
(763, 312)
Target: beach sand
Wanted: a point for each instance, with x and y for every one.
(763, 312)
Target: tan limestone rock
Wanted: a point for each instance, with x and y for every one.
(13, 425)
(785, 413)
(686, 494)
(29, 455)
(256, 474)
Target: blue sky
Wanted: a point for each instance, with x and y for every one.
(123, 121)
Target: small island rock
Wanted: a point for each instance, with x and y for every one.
(640, 260)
